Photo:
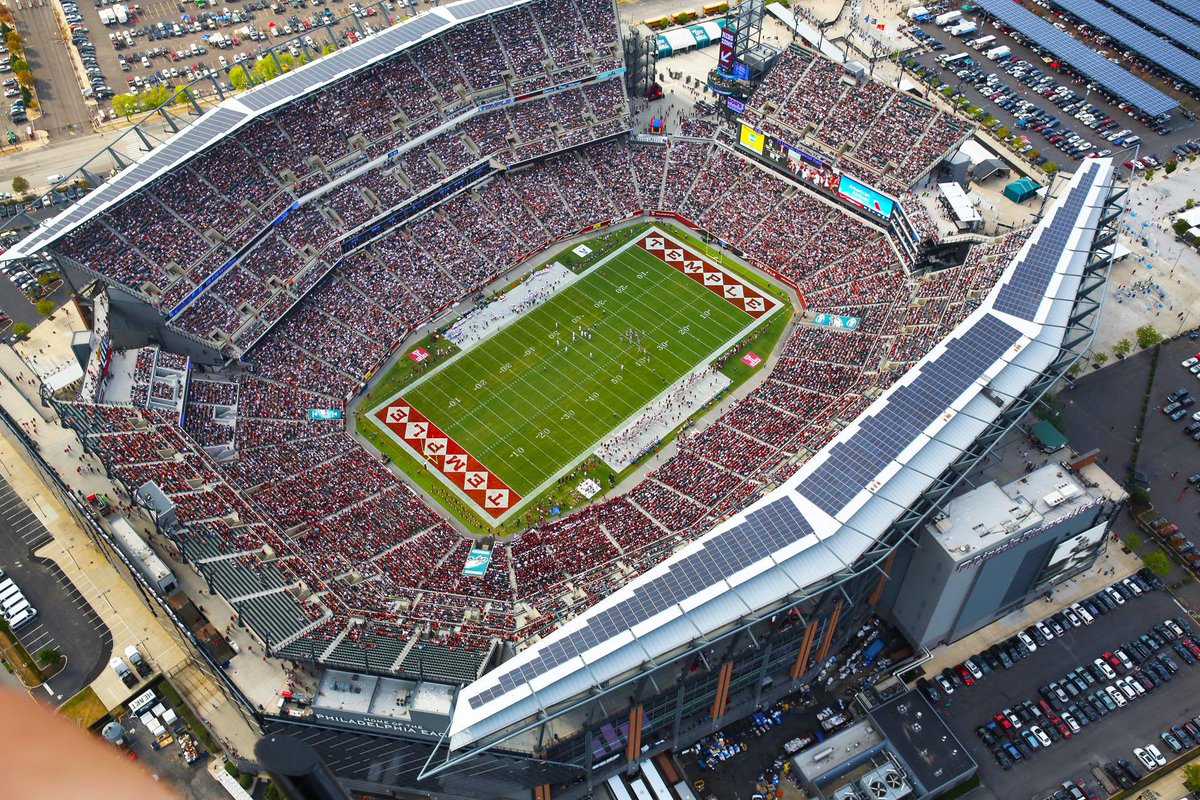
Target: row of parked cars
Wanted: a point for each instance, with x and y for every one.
(14, 606)
(1177, 405)
(1003, 655)
(98, 87)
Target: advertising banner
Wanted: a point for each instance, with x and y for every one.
(725, 57)
(751, 139)
(477, 563)
(865, 197)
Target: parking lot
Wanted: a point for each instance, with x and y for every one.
(133, 47)
(65, 621)
(1107, 738)
(1018, 89)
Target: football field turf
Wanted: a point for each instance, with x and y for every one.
(528, 402)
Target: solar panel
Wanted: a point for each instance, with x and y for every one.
(1026, 289)
(1186, 7)
(765, 531)
(1083, 59)
(854, 463)
(1168, 23)
(1137, 38)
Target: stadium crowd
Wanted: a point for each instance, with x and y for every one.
(381, 572)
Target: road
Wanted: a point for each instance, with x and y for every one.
(63, 110)
(65, 620)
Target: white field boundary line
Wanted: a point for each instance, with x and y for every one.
(482, 513)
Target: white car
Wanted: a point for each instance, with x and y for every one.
(1082, 613)
(53, 179)
(1116, 695)
(1041, 735)
(1042, 627)
(1027, 641)
(1157, 755)
(1173, 627)
(1105, 669)
(1147, 760)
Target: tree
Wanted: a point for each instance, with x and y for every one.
(272, 792)
(1122, 348)
(1049, 168)
(1139, 497)
(1191, 777)
(1003, 132)
(1180, 227)
(25, 78)
(1171, 166)
(238, 78)
(13, 40)
(1133, 541)
(20, 185)
(1076, 369)
(21, 330)
(1147, 336)
(45, 307)
(48, 656)
(1157, 562)
(1100, 359)
(47, 278)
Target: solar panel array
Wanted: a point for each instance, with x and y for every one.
(766, 530)
(855, 462)
(1119, 82)
(1136, 38)
(194, 137)
(1024, 292)
(289, 86)
(1168, 23)
(1185, 7)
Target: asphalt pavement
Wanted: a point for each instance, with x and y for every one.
(1108, 738)
(1182, 129)
(63, 108)
(65, 620)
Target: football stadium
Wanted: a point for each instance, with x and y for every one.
(536, 445)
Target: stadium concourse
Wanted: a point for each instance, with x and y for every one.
(321, 549)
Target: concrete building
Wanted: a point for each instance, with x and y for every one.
(995, 547)
(900, 749)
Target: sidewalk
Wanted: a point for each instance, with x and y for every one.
(1077, 588)
(105, 586)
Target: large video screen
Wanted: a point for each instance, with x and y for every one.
(751, 139)
(865, 197)
(801, 164)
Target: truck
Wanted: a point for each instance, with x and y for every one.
(997, 53)
(963, 28)
(949, 18)
(982, 43)
(139, 663)
(122, 13)
(142, 557)
(919, 14)
(108, 16)
(123, 672)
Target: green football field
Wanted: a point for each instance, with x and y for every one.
(528, 402)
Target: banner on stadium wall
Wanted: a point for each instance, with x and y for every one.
(324, 413)
(725, 57)
(751, 139)
(735, 105)
(836, 321)
(741, 72)
(477, 563)
(865, 197)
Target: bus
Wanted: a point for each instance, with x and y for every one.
(956, 60)
(982, 42)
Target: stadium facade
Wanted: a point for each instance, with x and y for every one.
(743, 615)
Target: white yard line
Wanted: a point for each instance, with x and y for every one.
(621, 424)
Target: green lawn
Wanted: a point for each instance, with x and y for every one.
(528, 402)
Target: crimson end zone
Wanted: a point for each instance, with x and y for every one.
(458, 467)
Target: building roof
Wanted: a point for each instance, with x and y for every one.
(960, 203)
(237, 112)
(825, 517)
(928, 749)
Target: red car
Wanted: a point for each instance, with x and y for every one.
(1190, 645)
(1113, 662)
(965, 674)
(1003, 722)
(1062, 728)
